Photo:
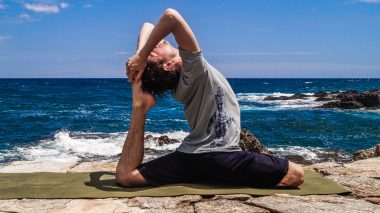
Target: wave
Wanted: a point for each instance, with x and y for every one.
(67, 146)
(255, 101)
(314, 154)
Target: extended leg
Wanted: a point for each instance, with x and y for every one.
(133, 149)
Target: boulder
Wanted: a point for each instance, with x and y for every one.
(248, 142)
(367, 153)
(293, 97)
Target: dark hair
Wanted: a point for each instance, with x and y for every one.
(156, 80)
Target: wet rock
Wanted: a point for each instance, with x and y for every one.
(320, 94)
(350, 99)
(313, 203)
(162, 140)
(248, 142)
(293, 97)
(367, 153)
(343, 105)
(225, 206)
(298, 159)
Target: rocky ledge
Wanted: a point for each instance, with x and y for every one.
(361, 177)
(345, 100)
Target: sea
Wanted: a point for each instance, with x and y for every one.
(75, 120)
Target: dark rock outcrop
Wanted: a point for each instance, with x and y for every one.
(248, 142)
(367, 153)
(299, 159)
(293, 97)
(344, 100)
(161, 140)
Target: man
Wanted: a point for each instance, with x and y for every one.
(208, 153)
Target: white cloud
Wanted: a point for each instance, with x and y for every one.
(87, 6)
(42, 8)
(64, 5)
(369, 1)
(24, 16)
(4, 38)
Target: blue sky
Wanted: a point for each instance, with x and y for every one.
(256, 38)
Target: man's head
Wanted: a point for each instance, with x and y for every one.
(162, 69)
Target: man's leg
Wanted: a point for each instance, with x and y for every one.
(133, 152)
(133, 149)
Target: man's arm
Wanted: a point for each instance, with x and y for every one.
(170, 22)
(146, 30)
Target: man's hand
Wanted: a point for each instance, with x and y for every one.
(135, 68)
(142, 100)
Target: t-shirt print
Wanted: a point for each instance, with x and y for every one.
(220, 121)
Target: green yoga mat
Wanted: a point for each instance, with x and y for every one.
(102, 185)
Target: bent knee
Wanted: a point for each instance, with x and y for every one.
(294, 177)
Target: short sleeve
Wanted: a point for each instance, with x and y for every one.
(193, 64)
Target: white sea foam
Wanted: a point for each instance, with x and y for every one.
(258, 98)
(68, 146)
(308, 82)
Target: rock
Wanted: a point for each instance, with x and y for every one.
(371, 100)
(94, 166)
(374, 200)
(359, 186)
(225, 206)
(350, 99)
(361, 168)
(342, 105)
(320, 94)
(293, 97)
(298, 159)
(33, 205)
(248, 142)
(313, 203)
(367, 153)
(162, 140)
(36, 166)
(163, 202)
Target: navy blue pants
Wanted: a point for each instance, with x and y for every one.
(233, 168)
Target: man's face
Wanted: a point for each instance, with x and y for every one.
(163, 52)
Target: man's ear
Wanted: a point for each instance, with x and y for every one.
(172, 65)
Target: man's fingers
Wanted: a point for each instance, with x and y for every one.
(139, 74)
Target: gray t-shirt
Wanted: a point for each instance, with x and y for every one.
(211, 107)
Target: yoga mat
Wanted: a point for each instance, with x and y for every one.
(102, 185)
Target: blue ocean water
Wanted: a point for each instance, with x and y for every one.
(81, 119)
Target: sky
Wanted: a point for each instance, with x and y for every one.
(243, 39)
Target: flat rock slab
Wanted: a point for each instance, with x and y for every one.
(93, 167)
(37, 166)
(359, 186)
(222, 206)
(313, 203)
(363, 168)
